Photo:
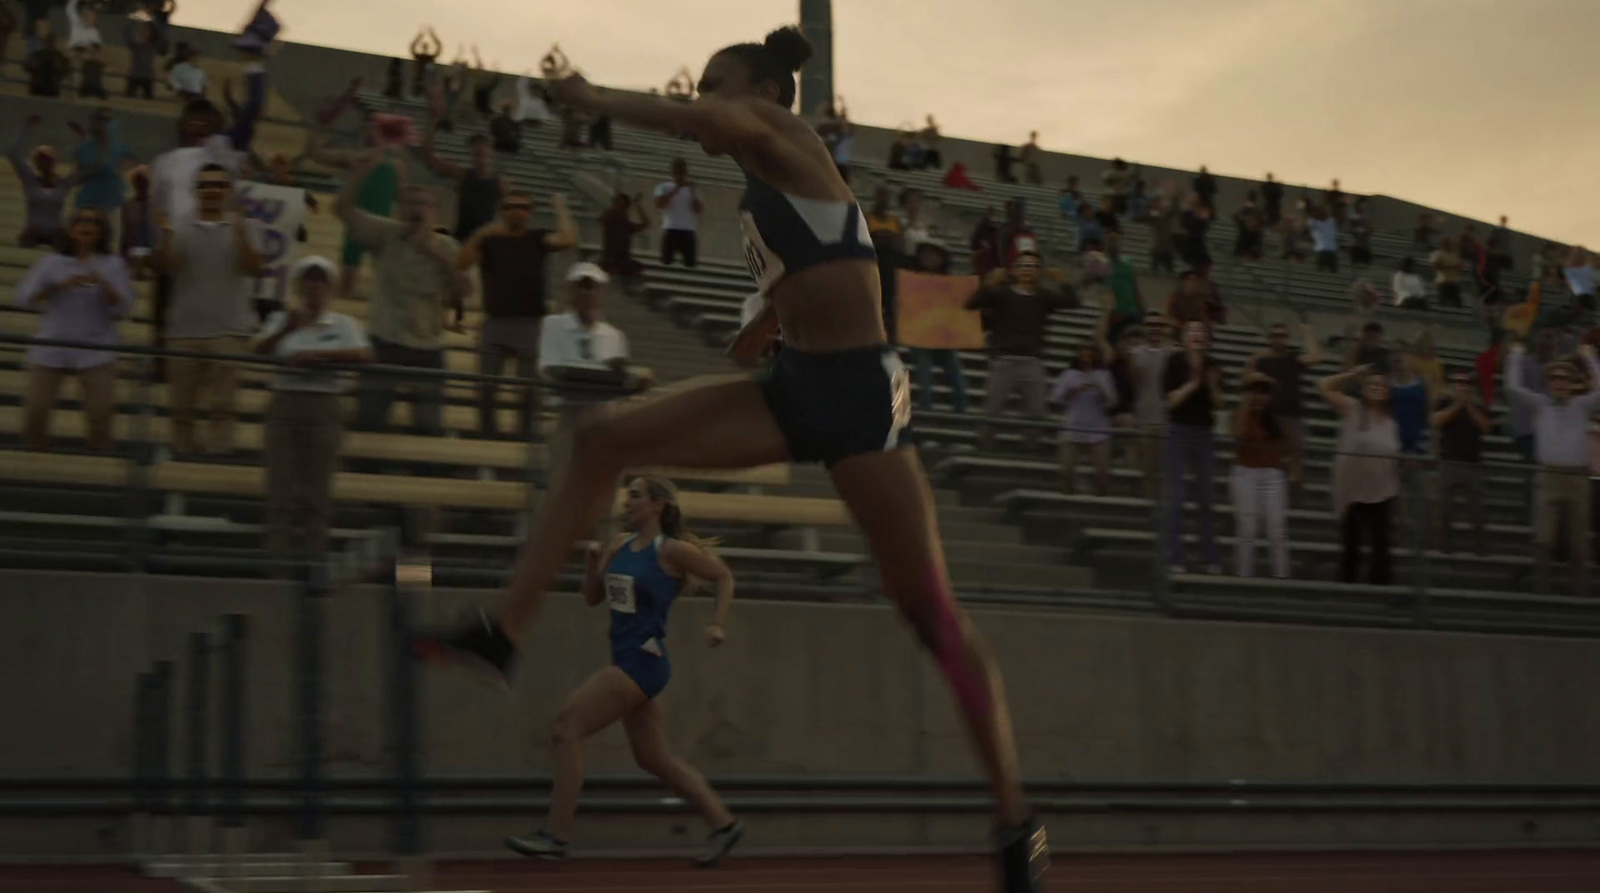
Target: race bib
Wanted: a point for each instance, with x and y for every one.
(619, 594)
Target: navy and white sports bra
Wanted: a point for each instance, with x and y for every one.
(784, 234)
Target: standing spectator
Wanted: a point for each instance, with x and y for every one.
(377, 193)
(1028, 155)
(1086, 391)
(510, 257)
(99, 163)
(505, 132)
(85, 42)
(1070, 200)
(46, 65)
(930, 138)
(213, 259)
(680, 206)
(620, 223)
(426, 48)
(932, 258)
(1360, 234)
(143, 48)
(479, 187)
(137, 239)
(1003, 160)
(1447, 265)
(1324, 230)
(1189, 302)
(839, 135)
(1459, 424)
(1117, 178)
(8, 24)
(1163, 248)
(1090, 231)
(1127, 305)
(1272, 200)
(581, 338)
(1561, 435)
(1192, 383)
(985, 245)
(1370, 350)
(1138, 199)
(1409, 290)
(887, 231)
(418, 284)
(1107, 215)
(1196, 223)
(1205, 186)
(1580, 275)
(1409, 403)
(1366, 471)
(1530, 373)
(304, 425)
(1425, 360)
(1261, 447)
(81, 293)
(1016, 313)
(184, 74)
(43, 187)
(1425, 232)
(1293, 234)
(1283, 365)
(1247, 223)
(1149, 366)
(1336, 201)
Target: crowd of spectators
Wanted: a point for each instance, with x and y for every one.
(1144, 389)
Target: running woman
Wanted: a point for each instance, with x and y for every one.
(837, 394)
(638, 577)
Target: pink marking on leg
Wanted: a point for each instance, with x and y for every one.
(936, 621)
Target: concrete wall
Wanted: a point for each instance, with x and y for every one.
(837, 689)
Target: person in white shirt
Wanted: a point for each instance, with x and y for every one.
(1324, 239)
(184, 74)
(680, 208)
(581, 338)
(1408, 287)
(304, 425)
(1580, 275)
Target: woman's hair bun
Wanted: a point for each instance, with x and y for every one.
(789, 47)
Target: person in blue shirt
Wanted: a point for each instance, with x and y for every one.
(638, 577)
(99, 163)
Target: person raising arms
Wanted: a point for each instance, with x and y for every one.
(837, 394)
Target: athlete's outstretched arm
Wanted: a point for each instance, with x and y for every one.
(688, 559)
(720, 122)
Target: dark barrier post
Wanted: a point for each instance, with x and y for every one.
(161, 740)
(199, 720)
(412, 571)
(311, 632)
(143, 755)
(235, 631)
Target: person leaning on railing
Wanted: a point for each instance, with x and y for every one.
(304, 422)
(1561, 439)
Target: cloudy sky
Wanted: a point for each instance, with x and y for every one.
(1484, 107)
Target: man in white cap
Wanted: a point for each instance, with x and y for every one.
(581, 338)
(303, 422)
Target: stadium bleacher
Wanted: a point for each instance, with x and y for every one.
(1007, 526)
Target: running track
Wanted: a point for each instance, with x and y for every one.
(1505, 872)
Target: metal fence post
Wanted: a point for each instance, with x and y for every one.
(142, 456)
(411, 571)
(312, 591)
(1161, 590)
(161, 742)
(231, 782)
(139, 842)
(197, 805)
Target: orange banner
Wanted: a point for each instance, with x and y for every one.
(931, 312)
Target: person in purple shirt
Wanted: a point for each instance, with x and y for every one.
(81, 292)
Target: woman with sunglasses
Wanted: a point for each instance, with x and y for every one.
(1260, 493)
(837, 394)
(81, 293)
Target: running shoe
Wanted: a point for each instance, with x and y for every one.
(538, 845)
(479, 645)
(1024, 858)
(719, 844)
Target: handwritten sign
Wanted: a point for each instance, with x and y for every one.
(279, 212)
(932, 312)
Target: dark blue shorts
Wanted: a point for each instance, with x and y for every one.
(831, 406)
(647, 671)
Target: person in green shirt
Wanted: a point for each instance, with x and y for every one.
(1123, 280)
(377, 195)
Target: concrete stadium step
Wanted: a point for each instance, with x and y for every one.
(290, 882)
(250, 868)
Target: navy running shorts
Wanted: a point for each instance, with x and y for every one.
(831, 406)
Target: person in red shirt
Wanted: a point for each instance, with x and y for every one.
(620, 223)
